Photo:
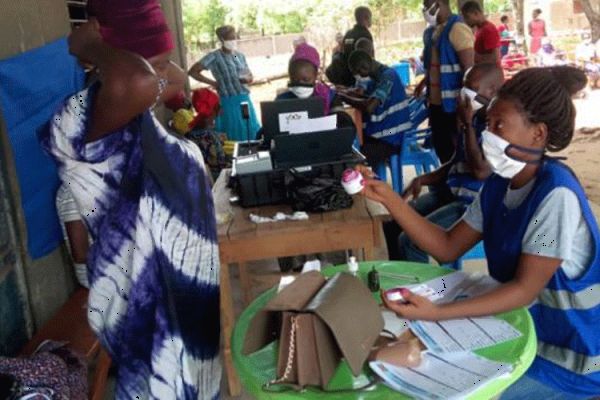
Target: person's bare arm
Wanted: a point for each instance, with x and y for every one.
(432, 178)
(78, 240)
(367, 105)
(129, 85)
(444, 246)
(196, 73)
(488, 57)
(466, 58)
(474, 157)
(532, 275)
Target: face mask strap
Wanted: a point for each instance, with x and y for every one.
(482, 100)
(527, 150)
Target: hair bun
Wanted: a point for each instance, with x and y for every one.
(572, 79)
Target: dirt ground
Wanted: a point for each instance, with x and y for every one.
(583, 153)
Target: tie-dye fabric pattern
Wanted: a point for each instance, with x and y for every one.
(154, 265)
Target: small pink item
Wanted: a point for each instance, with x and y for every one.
(352, 182)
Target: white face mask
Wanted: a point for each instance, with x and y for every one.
(230, 45)
(302, 92)
(494, 149)
(470, 95)
(429, 18)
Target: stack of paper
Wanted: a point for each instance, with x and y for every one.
(449, 376)
(450, 369)
(460, 335)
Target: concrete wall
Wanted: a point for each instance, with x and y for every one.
(45, 283)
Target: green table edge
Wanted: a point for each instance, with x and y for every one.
(425, 272)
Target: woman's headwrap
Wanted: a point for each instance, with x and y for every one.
(206, 103)
(308, 53)
(138, 26)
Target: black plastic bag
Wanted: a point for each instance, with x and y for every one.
(317, 194)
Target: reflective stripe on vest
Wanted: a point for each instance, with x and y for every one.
(568, 359)
(450, 68)
(450, 94)
(395, 108)
(389, 132)
(565, 300)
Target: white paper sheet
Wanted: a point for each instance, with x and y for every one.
(451, 376)
(458, 286)
(461, 335)
(286, 118)
(313, 125)
(394, 323)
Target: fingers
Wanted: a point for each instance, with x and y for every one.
(365, 171)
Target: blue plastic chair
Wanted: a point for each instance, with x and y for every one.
(413, 152)
(476, 253)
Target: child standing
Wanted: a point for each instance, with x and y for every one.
(541, 239)
(207, 106)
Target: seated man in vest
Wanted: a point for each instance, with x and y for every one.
(457, 182)
(448, 53)
(384, 104)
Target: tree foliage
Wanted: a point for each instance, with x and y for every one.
(201, 18)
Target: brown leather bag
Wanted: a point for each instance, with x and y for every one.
(318, 323)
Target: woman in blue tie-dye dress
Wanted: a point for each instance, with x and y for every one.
(144, 195)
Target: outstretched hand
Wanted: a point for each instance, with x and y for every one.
(375, 189)
(413, 190)
(415, 308)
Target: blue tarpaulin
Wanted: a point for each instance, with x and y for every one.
(32, 86)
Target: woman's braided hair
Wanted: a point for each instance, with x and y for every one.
(543, 95)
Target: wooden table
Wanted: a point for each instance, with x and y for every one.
(241, 241)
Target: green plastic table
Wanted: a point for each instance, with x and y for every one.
(260, 367)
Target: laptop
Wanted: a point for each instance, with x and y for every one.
(270, 111)
(313, 148)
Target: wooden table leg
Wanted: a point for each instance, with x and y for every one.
(245, 283)
(227, 321)
(369, 253)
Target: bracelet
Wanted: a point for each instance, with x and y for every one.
(162, 85)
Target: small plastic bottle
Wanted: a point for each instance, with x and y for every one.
(353, 266)
(352, 182)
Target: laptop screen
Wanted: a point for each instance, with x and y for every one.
(274, 112)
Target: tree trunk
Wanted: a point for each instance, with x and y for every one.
(518, 7)
(591, 8)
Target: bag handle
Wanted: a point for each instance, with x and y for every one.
(286, 387)
(290, 361)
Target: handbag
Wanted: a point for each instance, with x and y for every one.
(318, 322)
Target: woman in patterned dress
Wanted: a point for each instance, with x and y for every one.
(145, 198)
(231, 79)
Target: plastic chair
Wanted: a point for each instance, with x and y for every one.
(476, 253)
(413, 151)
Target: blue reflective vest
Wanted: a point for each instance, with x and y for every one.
(390, 119)
(451, 73)
(567, 312)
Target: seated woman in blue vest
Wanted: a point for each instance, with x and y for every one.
(386, 114)
(541, 239)
(457, 182)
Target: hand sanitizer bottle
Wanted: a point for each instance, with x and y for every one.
(353, 266)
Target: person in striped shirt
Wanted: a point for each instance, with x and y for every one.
(456, 183)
